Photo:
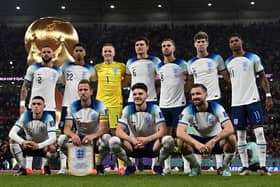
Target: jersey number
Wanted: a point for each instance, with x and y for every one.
(69, 76)
(134, 72)
(39, 79)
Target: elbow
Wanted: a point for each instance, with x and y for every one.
(10, 135)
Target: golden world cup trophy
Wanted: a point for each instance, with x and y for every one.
(57, 33)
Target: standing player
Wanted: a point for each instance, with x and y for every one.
(205, 69)
(39, 127)
(211, 130)
(172, 101)
(146, 132)
(109, 87)
(90, 116)
(41, 78)
(243, 67)
(142, 69)
(73, 73)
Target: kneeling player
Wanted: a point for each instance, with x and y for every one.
(91, 119)
(211, 130)
(39, 127)
(147, 130)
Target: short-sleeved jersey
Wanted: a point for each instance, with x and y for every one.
(44, 81)
(109, 88)
(143, 70)
(36, 130)
(73, 74)
(171, 76)
(87, 119)
(204, 124)
(141, 124)
(205, 71)
(242, 72)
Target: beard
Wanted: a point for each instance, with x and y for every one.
(78, 58)
(167, 54)
(47, 60)
(198, 102)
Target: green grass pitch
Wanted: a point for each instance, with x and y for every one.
(143, 179)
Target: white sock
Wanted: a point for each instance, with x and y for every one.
(153, 162)
(63, 160)
(198, 158)
(44, 162)
(219, 160)
(192, 160)
(167, 163)
(29, 161)
(187, 168)
(14, 162)
(242, 147)
(227, 159)
(261, 142)
(16, 151)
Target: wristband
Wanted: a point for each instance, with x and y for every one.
(268, 94)
(22, 103)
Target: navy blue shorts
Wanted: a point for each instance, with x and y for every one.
(216, 149)
(171, 115)
(253, 112)
(38, 152)
(147, 151)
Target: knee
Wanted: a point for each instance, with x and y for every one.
(52, 148)
(114, 143)
(168, 142)
(106, 138)
(62, 139)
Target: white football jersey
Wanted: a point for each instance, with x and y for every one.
(141, 124)
(143, 71)
(204, 124)
(44, 81)
(87, 119)
(36, 130)
(171, 76)
(205, 71)
(242, 72)
(73, 74)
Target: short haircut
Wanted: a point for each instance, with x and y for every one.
(144, 39)
(235, 35)
(108, 44)
(79, 45)
(200, 35)
(85, 81)
(139, 86)
(168, 39)
(198, 85)
(38, 97)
